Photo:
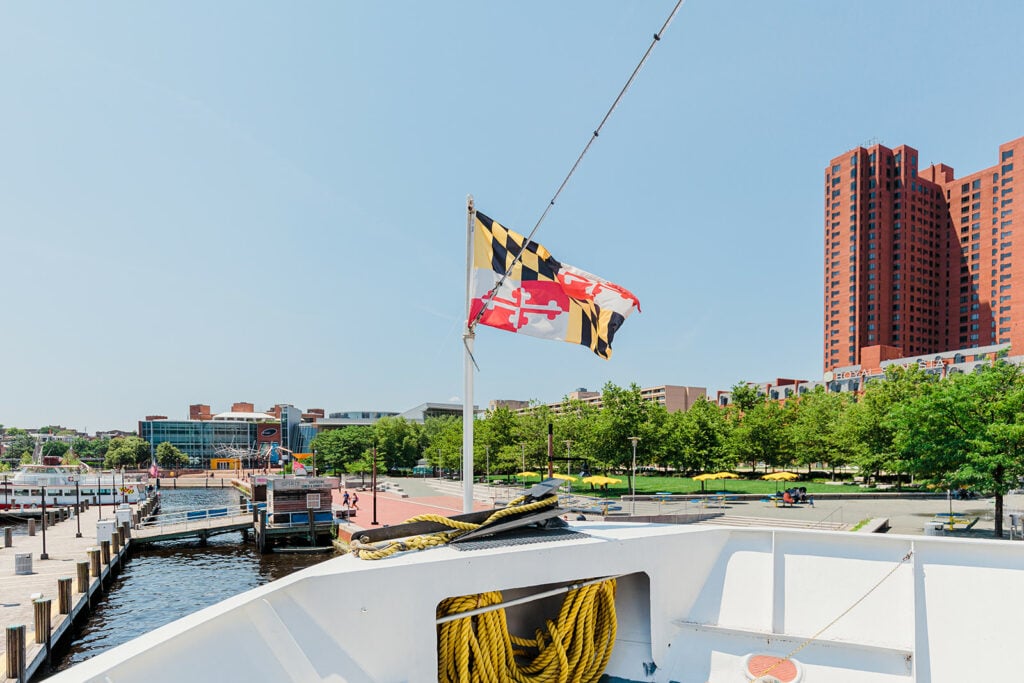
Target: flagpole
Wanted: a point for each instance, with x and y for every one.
(467, 368)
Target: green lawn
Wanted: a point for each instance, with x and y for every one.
(647, 485)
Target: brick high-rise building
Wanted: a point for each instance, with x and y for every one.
(919, 262)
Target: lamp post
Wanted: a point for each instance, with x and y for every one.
(373, 482)
(522, 445)
(487, 452)
(314, 462)
(632, 479)
(78, 511)
(568, 467)
(42, 493)
(99, 493)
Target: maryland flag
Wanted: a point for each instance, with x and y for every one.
(541, 296)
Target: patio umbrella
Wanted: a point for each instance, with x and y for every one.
(564, 477)
(724, 475)
(780, 476)
(601, 480)
(524, 475)
(703, 478)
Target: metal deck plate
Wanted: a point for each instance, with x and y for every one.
(520, 537)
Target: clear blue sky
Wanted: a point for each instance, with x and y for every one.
(234, 201)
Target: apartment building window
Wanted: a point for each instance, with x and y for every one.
(1007, 168)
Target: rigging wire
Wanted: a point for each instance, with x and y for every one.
(597, 132)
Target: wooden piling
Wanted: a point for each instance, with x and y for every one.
(8, 539)
(42, 620)
(64, 595)
(31, 527)
(83, 577)
(94, 561)
(16, 652)
(115, 544)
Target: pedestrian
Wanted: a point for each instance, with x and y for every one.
(344, 499)
(355, 501)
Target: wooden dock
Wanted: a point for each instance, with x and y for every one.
(22, 596)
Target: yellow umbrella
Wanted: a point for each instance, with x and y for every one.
(725, 475)
(523, 475)
(601, 480)
(781, 476)
(564, 477)
(704, 477)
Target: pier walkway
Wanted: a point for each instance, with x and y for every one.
(64, 550)
(201, 524)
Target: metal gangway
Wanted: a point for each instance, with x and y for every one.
(198, 523)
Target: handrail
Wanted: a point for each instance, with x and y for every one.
(825, 518)
(196, 515)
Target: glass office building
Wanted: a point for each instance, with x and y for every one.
(201, 440)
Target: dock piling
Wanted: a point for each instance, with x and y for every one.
(83, 577)
(31, 527)
(16, 652)
(8, 539)
(105, 552)
(64, 595)
(94, 561)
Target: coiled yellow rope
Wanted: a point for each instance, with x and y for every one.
(368, 551)
(576, 647)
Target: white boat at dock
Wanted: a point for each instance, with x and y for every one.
(64, 484)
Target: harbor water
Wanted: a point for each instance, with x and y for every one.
(169, 580)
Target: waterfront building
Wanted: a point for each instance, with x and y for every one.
(917, 262)
(673, 397)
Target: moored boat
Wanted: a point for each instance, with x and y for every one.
(65, 484)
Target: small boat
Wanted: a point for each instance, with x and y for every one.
(64, 484)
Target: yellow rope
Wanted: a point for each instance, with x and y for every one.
(574, 648)
(369, 551)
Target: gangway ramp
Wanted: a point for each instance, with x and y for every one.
(201, 524)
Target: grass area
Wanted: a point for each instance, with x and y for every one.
(648, 485)
(859, 525)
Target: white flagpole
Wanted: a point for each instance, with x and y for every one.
(467, 368)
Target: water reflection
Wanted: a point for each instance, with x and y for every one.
(170, 580)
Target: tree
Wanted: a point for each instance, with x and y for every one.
(338, 449)
(745, 396)
(816, 428)
(762, 436)
(22, 444)
(55, 449)
(697, 438)
(170, 456)
(399, 443)
(128, 451)
(869, 423)
(968, 431)
(626, 413)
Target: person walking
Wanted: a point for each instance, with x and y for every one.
(355, 501)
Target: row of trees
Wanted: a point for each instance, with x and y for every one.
(965, 431)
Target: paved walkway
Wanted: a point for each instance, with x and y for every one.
(905, 515)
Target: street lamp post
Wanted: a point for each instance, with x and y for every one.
(632, 479)
(99, 493)
(373, 484)
(78, 511)
(314, 462)
(487, 451)
(42, 493)
(522, 445)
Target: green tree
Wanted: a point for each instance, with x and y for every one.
(338, 449)
(745, 396)
(170, 456)
(968, 431)
(869, 424)
(21, 445)
(816, 429)
(128, 451)
(698, 439)
(625, 413)
(55, 449)
(399, 443)
(762, 435)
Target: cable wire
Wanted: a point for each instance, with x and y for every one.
(597, 132)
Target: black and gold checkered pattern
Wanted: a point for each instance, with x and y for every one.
(495, 249)
(505, 245)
